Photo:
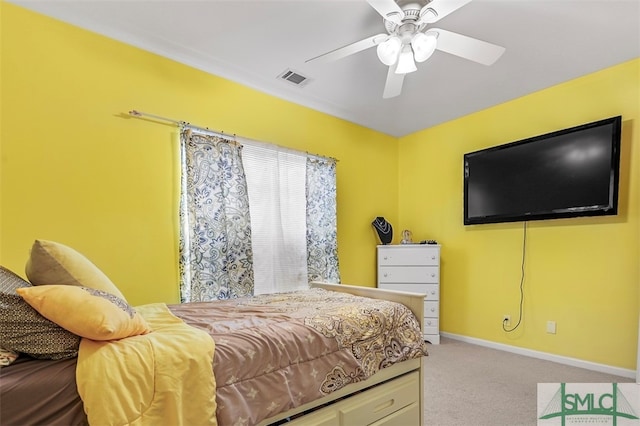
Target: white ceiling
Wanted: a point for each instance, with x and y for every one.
(252, 42)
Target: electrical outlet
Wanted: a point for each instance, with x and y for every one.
(506, 320)
(551, 327)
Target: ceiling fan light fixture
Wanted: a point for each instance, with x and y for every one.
(389, 50)
(405, 61)
(424, 44)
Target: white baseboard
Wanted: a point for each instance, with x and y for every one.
(574, 362)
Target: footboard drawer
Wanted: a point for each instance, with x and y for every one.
(381, 401)
(386, 404)
(409, 415)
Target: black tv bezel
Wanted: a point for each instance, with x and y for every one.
(600, 210)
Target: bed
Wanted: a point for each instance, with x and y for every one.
(384, 386)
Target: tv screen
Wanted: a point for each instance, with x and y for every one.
(569, 173)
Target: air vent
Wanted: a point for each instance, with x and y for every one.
(294, 78)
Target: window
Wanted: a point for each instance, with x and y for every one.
(277, 202)
(255, 218)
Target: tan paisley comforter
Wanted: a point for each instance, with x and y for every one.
(276, 352)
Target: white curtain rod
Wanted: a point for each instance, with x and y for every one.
(139, 114)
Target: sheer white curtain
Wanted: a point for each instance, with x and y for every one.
(276, 183)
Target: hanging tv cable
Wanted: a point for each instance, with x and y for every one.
(521, 309)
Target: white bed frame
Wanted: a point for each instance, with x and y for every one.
(392, 396)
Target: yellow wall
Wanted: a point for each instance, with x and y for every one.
(76, 169)
(582, 273)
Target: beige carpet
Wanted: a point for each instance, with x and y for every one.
(471, 385)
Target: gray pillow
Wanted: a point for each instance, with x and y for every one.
(24, 330)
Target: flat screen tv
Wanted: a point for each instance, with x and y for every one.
(568, 173)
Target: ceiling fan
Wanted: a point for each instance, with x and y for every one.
(408, 40)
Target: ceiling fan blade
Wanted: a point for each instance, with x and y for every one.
(467, 47)
(393, 86)
(350, 49)
(388, 9)
(438, 9)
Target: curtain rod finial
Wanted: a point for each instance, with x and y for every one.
(135, 113)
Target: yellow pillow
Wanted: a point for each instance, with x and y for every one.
(55, 263)
(87, 312)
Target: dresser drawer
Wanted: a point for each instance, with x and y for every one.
(409, 255)
(410, 287)
(409, 274)
(433, 291)
(431, 309)
(431, 326)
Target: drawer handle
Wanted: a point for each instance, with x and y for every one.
(428, 322)
(385, 275)
(433, 309)
(433, 275)
(385, 258)
(384, 405)
(433, 258)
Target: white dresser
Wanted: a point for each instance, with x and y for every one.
(414, 268)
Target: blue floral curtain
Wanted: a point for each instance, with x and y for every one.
(322, 234)
(215, 237)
